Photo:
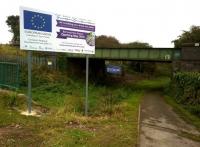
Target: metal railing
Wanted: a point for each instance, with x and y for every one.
(36, 60)
(9, 75)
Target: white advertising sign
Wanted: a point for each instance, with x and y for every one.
(45, 31)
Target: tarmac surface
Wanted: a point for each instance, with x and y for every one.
(160, 126)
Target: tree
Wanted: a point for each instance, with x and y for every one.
(136, 44)
(191, 36)
(13, 22)
(106, 42)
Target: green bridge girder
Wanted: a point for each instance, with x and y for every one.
(144, 54)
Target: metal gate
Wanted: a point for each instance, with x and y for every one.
(9, 75)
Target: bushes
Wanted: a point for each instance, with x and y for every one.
(10, 99)
(41, 75)
(186, 87)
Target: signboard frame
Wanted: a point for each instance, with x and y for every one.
(46, 31)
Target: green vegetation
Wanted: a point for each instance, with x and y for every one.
(186, 87)
(154, 84)
(191, 36)
(183, 112)
(183, 95)
(111, 42)
(112, 117)
(13, 22)
(59, 100)
(112, 120)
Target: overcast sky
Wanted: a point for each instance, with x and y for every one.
(157, 22)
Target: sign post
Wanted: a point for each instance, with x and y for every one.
(86, 88)
(29, 98)
(51, 32)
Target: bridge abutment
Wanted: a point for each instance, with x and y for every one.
(190, 59)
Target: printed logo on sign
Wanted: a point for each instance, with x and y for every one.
(37, 21)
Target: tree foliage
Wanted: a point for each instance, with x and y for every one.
(111, 42)
(136, 44)
(13, 22)
(191, 36)
(106, 42)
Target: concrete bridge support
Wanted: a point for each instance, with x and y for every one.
(190, 59)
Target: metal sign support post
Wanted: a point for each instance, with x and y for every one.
(86, 88)
(29, 99)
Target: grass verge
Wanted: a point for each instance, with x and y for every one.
(112, 120)
(183, 113)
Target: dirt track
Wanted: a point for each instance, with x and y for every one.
(160, 126)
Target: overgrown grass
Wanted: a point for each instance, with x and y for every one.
(120, 129)
(153, 84)
(9, 103)
(112, 117)
(181, 95)
(183, 113)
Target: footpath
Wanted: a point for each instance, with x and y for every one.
(160, 126)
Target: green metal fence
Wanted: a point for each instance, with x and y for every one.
(9, 75)
(36, 60)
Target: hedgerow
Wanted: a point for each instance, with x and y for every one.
(186, 87)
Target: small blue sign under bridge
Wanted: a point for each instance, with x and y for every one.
(113, 69)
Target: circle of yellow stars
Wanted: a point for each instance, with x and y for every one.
(42, 20)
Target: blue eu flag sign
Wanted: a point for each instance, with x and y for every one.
(37, 21)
